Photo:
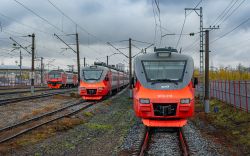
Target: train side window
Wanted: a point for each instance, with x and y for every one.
(106, 78)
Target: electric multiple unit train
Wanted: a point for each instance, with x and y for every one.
(61, 79)
(100, 80)
(163, 88)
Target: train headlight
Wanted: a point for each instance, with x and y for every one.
(82, 88)
(144, 101)
(185, 101)
(100, 88)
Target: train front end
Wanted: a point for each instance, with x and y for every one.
(163, 93)
(94, 84)
(55, 79)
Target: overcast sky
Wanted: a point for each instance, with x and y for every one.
(102, 21)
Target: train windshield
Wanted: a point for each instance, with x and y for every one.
(54, 75)
(164, 71)
(92, 74)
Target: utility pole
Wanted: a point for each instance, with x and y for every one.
(130, 68)
(41, 70)
(78, 58)
(20, 66)
(20, 46)
(206, 93)
(206, 71)
(107, 60)
(32, 62)
(76, 51)
(84, 61)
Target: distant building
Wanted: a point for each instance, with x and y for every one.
(10, 75)
(120, 66)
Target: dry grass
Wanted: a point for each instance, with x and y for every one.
(61, 97)
(39, 111)
(223, 74)
(41, 134)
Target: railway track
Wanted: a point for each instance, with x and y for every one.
(18, 99)
(164, 142)
(16, 130)
(28, 91)
(15, 88)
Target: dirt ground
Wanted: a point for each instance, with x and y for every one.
(99, 130)
(229, 126)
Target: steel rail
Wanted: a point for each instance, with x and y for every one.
(9, 88)
(145, 142)
(12, 100)
(183, 143)
(46, 122)
(28, 91)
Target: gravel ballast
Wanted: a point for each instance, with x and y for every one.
(102, 132)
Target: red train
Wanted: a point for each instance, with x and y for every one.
(100, 80)
(61, 79)
(163, 88)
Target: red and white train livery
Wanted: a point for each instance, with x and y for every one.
(164, 88)
(100, 80)
(61, 79)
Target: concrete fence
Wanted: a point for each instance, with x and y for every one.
(236, 93)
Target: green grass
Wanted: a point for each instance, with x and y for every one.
(98, 126)
(233, 123)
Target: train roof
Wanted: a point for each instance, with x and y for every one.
(164, 54)
(102, 65)
(57, 70)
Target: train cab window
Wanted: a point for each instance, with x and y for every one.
(92, 74)
(54, 75)
(70, 76)
(164, 71)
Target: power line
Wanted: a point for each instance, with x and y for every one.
(33, 12)
(218, 18)
(226, 12)
(245, 21)
(28, 26)
(232, 12)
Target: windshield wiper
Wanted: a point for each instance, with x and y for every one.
(164, 80)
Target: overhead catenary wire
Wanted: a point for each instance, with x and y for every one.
(181, 31)
(157, 3)
(182, 28)
(155, 29)
(77, 25)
